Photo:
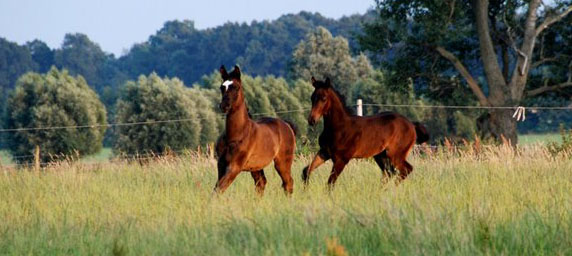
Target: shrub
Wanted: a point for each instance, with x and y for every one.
(565, 146)
(54, 99)
(152, 99)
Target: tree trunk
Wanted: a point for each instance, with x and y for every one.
(498, 124)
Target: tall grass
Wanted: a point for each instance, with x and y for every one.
(496, 201)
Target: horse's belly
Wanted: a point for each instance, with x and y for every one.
(261, 156)
(256, 163)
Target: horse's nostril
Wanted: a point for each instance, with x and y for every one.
(311, 121)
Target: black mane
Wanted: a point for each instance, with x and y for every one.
(342, 98)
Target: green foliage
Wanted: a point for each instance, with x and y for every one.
(285, 103)
(322, 55)
(54, 99)
(150, 99)
(565, 146)
(465, 126)
(41, 54)
(261, 48)
(210, 120)
(15, 60)
(82, 56)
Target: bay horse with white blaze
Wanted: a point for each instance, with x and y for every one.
(345, 136)
(249, 145)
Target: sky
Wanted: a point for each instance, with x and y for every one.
(117, 24)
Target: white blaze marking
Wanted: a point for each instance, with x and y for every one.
(226, 84)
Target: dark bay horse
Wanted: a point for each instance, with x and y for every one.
(249, 145)
(345, 136)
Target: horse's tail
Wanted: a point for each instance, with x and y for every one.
(293, 127)
(422, 133)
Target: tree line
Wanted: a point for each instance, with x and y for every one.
(403, 52)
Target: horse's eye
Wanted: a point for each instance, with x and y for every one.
(323, 98)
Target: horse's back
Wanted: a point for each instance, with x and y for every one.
(376, 132)
(275, 128)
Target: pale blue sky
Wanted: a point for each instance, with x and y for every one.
(118, 24)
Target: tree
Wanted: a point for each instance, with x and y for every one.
(504, 32)
(81, 56)
(210, 128)
(179, 49)
(41, 54)
(285, 104)
(15, 60)
(152, 99)
(54, 99)
(322, 55)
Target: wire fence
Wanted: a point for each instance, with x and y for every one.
(153, 122)
(22, 158)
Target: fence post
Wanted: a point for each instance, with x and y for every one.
(37, 159)
(359, 108)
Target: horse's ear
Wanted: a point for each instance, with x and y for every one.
(328, 82)
(313, 81)
(223, 73)
(235, 72)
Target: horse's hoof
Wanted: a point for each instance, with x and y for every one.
(305, 174)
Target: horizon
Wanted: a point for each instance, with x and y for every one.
(123, 26)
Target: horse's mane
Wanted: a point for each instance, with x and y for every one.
(342, 99)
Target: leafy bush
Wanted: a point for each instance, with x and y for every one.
(152, 99)
(565, 146)
(54, 99)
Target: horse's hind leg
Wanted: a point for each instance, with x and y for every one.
(339, 165)
(283, 166)
(318, 160)
(384, 164)
(259, 181)
(398, 160)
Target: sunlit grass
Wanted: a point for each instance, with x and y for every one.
(496, 202)
(542, 138)
(5, 158)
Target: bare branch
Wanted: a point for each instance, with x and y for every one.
(553, 19)
(542, 61)
(546, 88)
(465, 74)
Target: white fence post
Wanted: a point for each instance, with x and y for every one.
(359, 108)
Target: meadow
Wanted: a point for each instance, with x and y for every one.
(495, 201)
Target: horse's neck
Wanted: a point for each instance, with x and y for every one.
(237, 122)
(337, 116)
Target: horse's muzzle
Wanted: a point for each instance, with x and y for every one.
(311, 121)
(223, 107)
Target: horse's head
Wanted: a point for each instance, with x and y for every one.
(321, 101)
(231, 89)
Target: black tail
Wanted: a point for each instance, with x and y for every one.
(422, 133)
(293, 126)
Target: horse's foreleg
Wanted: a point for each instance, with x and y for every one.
(227, 179)
(259, 181)
(283, 167)
(318, 160)
(339, 165)
(221, 166)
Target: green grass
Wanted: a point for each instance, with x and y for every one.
(5, 158)
(497, 202)
(545, 138)
(102, 156)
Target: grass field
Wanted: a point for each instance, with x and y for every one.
(494, 202)
(532, 138)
